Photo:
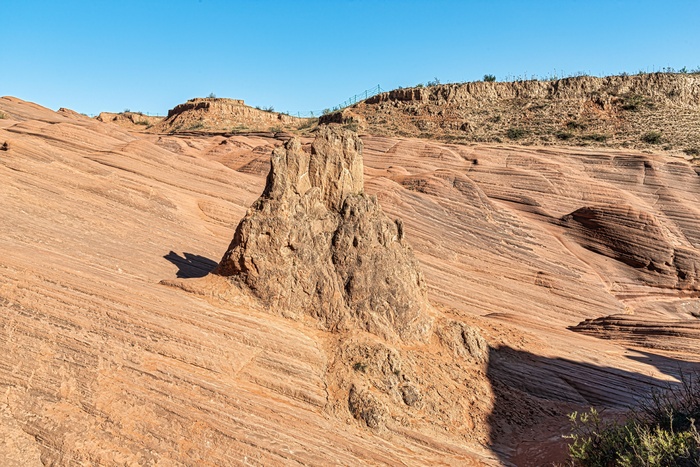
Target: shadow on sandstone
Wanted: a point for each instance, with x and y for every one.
(190, 265)
(533, 396)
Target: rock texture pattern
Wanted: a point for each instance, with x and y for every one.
(315, 244)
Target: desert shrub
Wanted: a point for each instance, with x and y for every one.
(692, 151)
(308, 123)
(359, 366)
(574, 125)
(419, 85)
(515, 133)
(489, 78)
(434, 82)
(196, 126)
(142, 122)
(564, 135)
(595, 137)
(211, 95)
(352, 126)
(634, 102)
(2, 115)
(663, 432)
(652, 137)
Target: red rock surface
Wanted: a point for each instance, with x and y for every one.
(102, 363)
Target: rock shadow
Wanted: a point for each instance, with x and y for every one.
(191, 265)
(533, 396)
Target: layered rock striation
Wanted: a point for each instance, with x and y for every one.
(315, 244)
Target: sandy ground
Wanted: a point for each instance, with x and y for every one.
(104, 364)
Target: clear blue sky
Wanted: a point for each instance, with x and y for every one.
(150, 55)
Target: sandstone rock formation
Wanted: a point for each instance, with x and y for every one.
(639, 240)
(315, 244)
(217, 114)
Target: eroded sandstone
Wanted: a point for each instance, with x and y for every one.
(315, 244)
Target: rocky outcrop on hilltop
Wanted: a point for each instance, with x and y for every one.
(223, 115)
(315, 244)
(649, 111)
(129, 120)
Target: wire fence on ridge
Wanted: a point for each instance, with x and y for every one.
(359, 97)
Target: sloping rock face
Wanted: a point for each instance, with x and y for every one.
(637, 239)
(314, 244)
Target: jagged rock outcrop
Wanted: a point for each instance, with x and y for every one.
(315, 244)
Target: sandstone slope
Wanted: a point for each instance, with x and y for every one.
(102, 363)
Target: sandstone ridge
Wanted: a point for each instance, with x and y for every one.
(223, 115)
(315, 244)
(645, 111)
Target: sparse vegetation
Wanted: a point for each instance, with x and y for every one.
(662, 432)
(359, 366)
(489, 78)
(419, 85)
(634, 102)
(196, 126)
(574, 125)
(652, 137)
(595, 137)
(352, 126)
(212, 96)
(307, 123)
(692, 151)
(2, 115)
(564, 135)
(434, 82)
(142, 122)
(515, 133)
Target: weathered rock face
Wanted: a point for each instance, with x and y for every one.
(636, 239)
(314, 244)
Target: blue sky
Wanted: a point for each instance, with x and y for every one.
(150, 55)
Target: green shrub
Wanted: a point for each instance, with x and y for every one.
(489, 78)
(692, 151)
(515, 133)
(564, 135)
(663, 432)
(595, 137)
(652, 137)
(574, 125)
(142, 122)
(634, 102)
(2, 115)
